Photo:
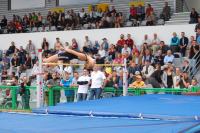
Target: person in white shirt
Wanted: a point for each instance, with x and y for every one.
(36, 69)
(169, 57)
(126, 49)
(177, 78)
(148, 69)
(83, 85)
(97, 83)
(155, 43)
(102, 52)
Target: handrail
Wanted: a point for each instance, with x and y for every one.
(194, 68)
(134, 91)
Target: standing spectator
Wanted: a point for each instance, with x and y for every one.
(129, 41)
(83, 85)
(194, 16)
(167, 77)
(166, 12)
(183, 44)
(169, 57)
(155, 78)
(30, 48)
(149, 10)
(174, 43)
(97, 83)
(66, 82)
(75, 79)
(53, 83)
(25, 93)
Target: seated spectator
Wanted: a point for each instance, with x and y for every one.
(15, 64)
(62, 24)
(197, 25)
(147, 69)
(164, 48)
(112, 80)
(118, 20)
(105, 44)
(11, 49)
(166, 12)
(126, 49)
(133, 68)
(147, 57)
(129, 41)
(149, 9)
(159, 58)
(186, 66)
(99, 60)
(184, 82)
(134, 50)
(6, 61)
(146, 40)
(151, 20)
(30, 48)
(102, 52)
(118, 59)
(45, 44)
(144, 47)
(35, 70)
(111, 52)
(87, 45)
(139, 83)
(177, 78)
(137, 58)
(194, 16)
(183, 44)
(155, 43)
(198, 36)
(140, 12)
(22, 58)
(83, 86)
(194, 83)
(74, 44)
(174, 45)
(3, 23)
(133, 13)
(194, 49)
(169, 57)
(120, 43)
(28, 62)
(82, 16)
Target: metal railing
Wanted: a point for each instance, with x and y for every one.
(194, 67)
(14, 90)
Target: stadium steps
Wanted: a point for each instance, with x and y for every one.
(179, 18)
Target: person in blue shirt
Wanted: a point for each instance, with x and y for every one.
(174, 45)
(66, 82)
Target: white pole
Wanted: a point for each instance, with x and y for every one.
(125, 82)
(40, 93)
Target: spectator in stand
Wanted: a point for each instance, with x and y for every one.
(87, 45)
(177, 78)
(185, 81)
(140, 12)
(167, 77)
(159, 58)
(40, 18)
(118, 59)
(99, 60)
(194, 83)
(120, 43)
(194, 49)
(97, 83)
(197, 26)
(75, 79)
(45, 44)
(126, 49)
(174, 45)
(151, 19)
(149, 9)
(194, 16)
(6, 61)
(30, 48)
(169, 57)
(3, 23)
(118, 20)
(102, 52)
(133, 68)
(137, 58)
(74, 44)
(183, 44)
(147, 57)
(111, 52)
(166, 12)
(82, 16)
(186, 66)
(155, 78)
(66, 82)
(146, 40)
(133, 13)
(62, 24)
(129, 41)
(15, 64)
(35, 69)
(11, 49)
(28, 62)
(155, 43)
(112, 80)
(139, 83)
(105, 44)
(144, 47)
(83, 86)
(198, 36)
(134, 50)
(164, 48)
(147, 69)
(52, 83)
(22, 58)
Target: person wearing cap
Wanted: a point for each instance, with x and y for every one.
(138, 83)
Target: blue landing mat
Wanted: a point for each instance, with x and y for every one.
(35, 123)
(163, 106)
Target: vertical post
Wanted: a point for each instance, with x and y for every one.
(175, 6)
(40, 93)
(14, 98)
(125, 82)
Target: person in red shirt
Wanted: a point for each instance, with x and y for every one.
(133, 13)
(129, 41)
(149, 10)
(120, 43)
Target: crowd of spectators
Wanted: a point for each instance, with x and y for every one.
(150, 64)
(94, 19)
